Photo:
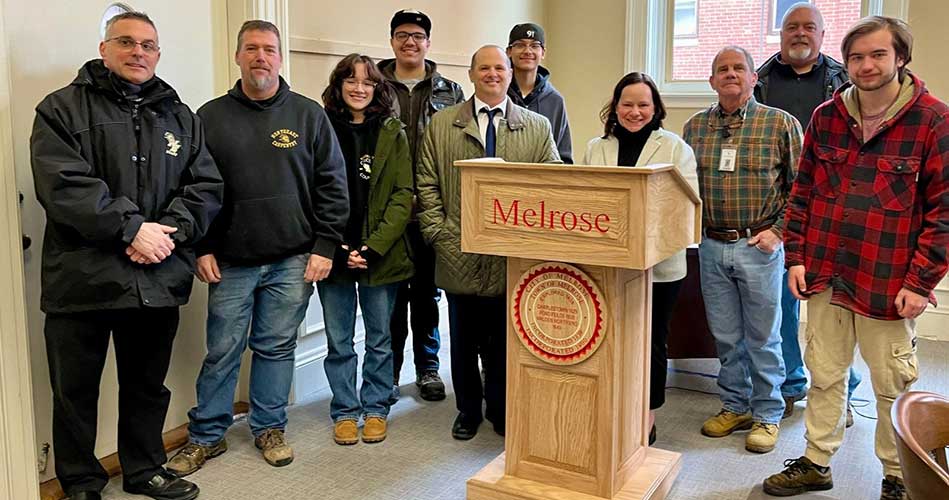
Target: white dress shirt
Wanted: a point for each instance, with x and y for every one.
(483, 117)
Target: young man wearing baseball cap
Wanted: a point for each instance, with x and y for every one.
(531, 87)
(420, 91)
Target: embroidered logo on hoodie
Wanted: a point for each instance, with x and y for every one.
(284, 138)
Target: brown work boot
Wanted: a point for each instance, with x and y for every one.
(274, 447)
(789, 403)
(346, 432)
(374, 430)
(762, 437)
(725, 423)
(193, 456)
(799, 476)
(893, 489)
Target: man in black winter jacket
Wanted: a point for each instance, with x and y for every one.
(797, 80)
(420, 92)
(286, 208)
(120, 166)
(531, 87)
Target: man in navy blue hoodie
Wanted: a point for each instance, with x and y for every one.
(285, 209)
(531, 87)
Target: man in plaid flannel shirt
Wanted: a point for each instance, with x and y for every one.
(867, 242)
(746, 154)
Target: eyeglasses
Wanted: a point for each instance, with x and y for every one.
(352, 82)
(128, 44)
(402, 36)
(535, 46)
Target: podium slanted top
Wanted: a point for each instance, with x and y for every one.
(628, 217)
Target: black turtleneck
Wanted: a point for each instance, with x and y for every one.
(631, 143)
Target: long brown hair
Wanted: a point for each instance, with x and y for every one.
(381, 103)
(608, 113)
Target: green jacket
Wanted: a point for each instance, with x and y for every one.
(522, 136)
(388, 210)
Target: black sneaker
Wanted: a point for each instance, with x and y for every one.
(430, 386)
(892, 489)
(164, 486)
(799, 476)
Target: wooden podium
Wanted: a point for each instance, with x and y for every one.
(580, 242)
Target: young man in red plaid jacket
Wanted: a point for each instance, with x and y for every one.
(867, 242)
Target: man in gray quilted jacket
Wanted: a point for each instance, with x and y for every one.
(487, 125)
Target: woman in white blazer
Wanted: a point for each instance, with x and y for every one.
(633, 136)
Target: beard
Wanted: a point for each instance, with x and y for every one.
(262, 83)
(883, 81)
(801, 54)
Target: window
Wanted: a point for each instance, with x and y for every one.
(674, 41)
(686, 18)
(780, 7)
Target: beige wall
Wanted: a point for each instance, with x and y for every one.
(586, 57)
(45, 50)
(322, 32)
(927, 20)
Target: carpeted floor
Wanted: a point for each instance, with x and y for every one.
(420, 460)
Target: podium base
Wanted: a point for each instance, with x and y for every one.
(651, 481)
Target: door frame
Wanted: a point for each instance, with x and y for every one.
(18, 472)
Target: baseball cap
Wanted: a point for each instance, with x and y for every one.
(526, 30)
(410, 16)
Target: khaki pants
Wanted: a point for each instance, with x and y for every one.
(889, 349)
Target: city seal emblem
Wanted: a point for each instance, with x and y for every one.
(558, 313)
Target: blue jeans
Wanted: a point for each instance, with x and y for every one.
(275, 296)
(796, 382)
(741, 286)
(339, 313)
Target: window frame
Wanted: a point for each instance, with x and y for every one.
(649, 24)
(695, 15)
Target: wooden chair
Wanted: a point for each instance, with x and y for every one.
(921, 423)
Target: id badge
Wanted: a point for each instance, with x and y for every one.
(727, 162)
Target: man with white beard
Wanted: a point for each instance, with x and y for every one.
(797, 79)
(285, 209)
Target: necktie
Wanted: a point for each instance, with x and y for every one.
(490, 135)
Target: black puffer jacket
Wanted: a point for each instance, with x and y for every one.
(102, 166)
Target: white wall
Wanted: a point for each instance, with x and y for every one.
(47, 45)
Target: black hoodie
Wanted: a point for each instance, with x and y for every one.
(284, 178)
